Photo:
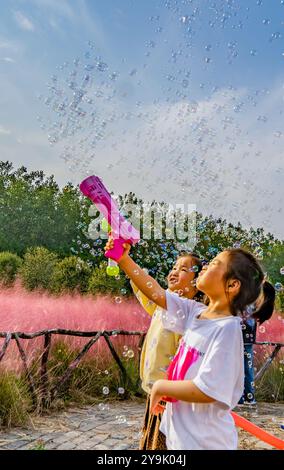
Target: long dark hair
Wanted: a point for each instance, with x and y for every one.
(242, 265)
(198, 262)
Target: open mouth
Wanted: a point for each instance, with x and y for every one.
(201, 273)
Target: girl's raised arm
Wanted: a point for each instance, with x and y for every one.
(149, 286)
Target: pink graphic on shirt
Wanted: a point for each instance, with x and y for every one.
(180, 364)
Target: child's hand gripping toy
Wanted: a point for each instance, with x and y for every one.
(121, 230)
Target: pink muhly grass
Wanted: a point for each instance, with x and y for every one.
(271, 330)
(29, 312)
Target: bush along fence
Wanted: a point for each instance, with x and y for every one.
(43, 395)
(277, 347)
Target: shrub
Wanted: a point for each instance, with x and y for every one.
(37, 268)
(270, 387)
(101, 283)
(92, 374)
(279, 303)
(9, 267)
(71, 274)
(15, 402)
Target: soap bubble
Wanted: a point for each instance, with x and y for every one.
(139, 435)
(113, 75)
(184, 19)
(278, 286)
(130, 354)
(180, 314)
(105, 390)
(275, 36)
(237, 244)
(103, 407)
(195, 269)
(121, 419)
(282, 270)
(101, 66)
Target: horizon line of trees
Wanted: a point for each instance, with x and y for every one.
(35, 212)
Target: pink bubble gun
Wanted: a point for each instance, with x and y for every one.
(121, 230)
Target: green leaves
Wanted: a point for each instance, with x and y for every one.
(35, 212)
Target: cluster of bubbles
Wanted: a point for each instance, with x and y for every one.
(106, 391)
(197, 138)
(103, 406)
(192, 135)
(212, 237)
(118, 419)
(128, 353)
(121, 419)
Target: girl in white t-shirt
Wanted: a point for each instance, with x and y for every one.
(206, 376)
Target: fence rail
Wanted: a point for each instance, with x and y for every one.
(45, 394)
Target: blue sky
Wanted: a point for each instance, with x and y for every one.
(194, 114)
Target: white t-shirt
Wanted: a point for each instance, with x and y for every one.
(211, 355)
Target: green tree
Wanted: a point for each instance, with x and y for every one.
(35, 212)
(9, 267)
(38, 268)
(70, 274)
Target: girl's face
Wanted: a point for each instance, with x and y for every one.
(181, 277)
(210, 279)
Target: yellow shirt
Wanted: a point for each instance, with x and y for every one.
(159, 347)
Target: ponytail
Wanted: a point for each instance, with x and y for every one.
(265, 311)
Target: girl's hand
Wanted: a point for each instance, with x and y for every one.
(110, 243)
(158, 409)
(156, 396)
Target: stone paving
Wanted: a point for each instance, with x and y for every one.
(115, 426)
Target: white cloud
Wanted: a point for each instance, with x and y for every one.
(60, 7)
(8, 59)
(54, 24)
(24, 22)
(153, 155)
(4, 131)
(209, 153)
(8, 44)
